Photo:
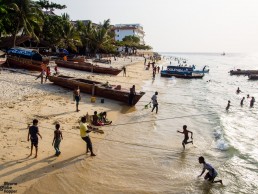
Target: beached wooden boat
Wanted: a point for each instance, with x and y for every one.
(2, 62)
(95, 88)
(84, 66)
(188, 75)
(25, 58)
(243, 72)
(253, 76)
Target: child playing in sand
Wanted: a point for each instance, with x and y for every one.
(57, 139)
(33, 136)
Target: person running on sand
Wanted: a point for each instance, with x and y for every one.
(185, 132)
(227, 108)
(57, 139)
(33, 136)
(77, 97)
(211, 175)
(155, 102)
(85, 135)
(242, 101)
(41, 76)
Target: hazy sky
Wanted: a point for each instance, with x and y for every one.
(179, 25)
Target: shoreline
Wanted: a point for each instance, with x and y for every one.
(53, 104)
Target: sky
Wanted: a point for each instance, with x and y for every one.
(179, 25)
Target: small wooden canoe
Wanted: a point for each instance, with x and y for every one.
(243, 72)
(95, 88)
(253, 76)
(84, 66)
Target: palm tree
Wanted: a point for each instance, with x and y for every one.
(28, 17)
(100, 38)
(71, 37)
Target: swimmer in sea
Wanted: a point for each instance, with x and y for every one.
(227, 108)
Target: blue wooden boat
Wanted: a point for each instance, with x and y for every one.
(185, 70)
(26, 58)
(184, 75)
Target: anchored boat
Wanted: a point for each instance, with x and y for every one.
(96, 88)
(84, 66)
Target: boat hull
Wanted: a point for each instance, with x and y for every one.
(99, 90)
(18, 62)
(253, 77)
(180, 75)
(83, 66)
(243, 72)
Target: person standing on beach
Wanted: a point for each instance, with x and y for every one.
(211, 175)
(155, 102)
(77, 97)
(242, 101)
(85, 136)
(57, 139)
(252, 102)
(132, 95)
(33, 136)
(158, 68)
(227, 108)
(124, 71)
(41, 76)
(185, 132)
(47, 73)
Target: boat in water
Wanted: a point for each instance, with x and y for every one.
(253, 77)
(84, 66)
(184, 75)
(243, 72)
(25, 58)
(96, 88)
(184, 72)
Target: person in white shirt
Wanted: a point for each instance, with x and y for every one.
(155, 102)
(211, 175)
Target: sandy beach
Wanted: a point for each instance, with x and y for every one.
(23, 98)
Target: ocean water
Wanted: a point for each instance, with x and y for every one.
(142, 151)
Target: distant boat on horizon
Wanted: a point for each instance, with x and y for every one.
(223, 54)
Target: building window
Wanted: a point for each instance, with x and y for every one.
(117, 30)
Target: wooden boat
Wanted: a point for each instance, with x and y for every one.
(2, 62)
(188, 75)
(84, 66)
(253, 76)
(25, 58)
(95, 88)
(243, 72)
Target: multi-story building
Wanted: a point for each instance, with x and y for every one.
(122, 30)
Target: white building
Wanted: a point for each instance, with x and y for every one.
(122, 30)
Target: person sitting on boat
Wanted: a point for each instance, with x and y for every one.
(95, 120)
(107, 85)
(103, 118)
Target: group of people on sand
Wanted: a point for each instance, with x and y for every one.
(98, 120)
(238, 91)
(46, 72)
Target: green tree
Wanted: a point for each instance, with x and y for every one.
(70, 35)
(44, 4)
(27, 17)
